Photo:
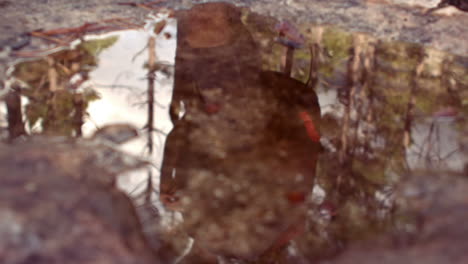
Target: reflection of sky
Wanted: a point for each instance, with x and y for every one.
(435, 141)
(120, 79)
(3, 121)
(436, 145)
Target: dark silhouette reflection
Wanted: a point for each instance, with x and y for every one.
(241, 158)
(460, 4)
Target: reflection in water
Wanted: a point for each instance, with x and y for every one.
(389, 110)
(107, 79)
(243, 158)
(227, 164)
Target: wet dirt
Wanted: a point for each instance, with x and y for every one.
(282, 151)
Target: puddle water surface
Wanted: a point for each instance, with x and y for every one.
(254, 160)
(101, 81)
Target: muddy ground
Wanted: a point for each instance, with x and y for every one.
(395, 19)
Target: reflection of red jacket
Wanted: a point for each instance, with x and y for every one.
(241, 160)
(310, 126)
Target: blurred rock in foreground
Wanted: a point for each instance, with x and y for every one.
(440, 234)
(54, 210)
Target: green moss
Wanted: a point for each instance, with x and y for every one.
(57, 109)
(371, 170)
(94, 47)
(337, 44)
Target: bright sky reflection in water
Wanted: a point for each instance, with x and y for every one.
(120, 79)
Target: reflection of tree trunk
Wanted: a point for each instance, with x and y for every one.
(353, 80)
(289, 61)
(429, 144)
(15, 116)
(409, 109)
(49, 124)
(365, 96)
(52, 75)
(447, 81)
(352, 85)
(78, 114)
(150, 122)
(315, 57)
(370, 136)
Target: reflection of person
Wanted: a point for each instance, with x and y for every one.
(460, 4)
(241, 158)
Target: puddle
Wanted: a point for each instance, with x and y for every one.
(104, 80)
(403, 94)
(249, 145)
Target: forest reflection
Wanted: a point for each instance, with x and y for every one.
(242, 153)
(389, 110)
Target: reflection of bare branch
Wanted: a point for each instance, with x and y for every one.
(120, 75)
(449, 155)
(429, 143)
(115, 86)
(136, 188)
(430, 146)
(149, 187)
(433, 149)
(139, 53)
(154, 102)
(159, 131)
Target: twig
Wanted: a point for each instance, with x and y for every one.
(47, 37)
(64, 31)
(34, 53)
